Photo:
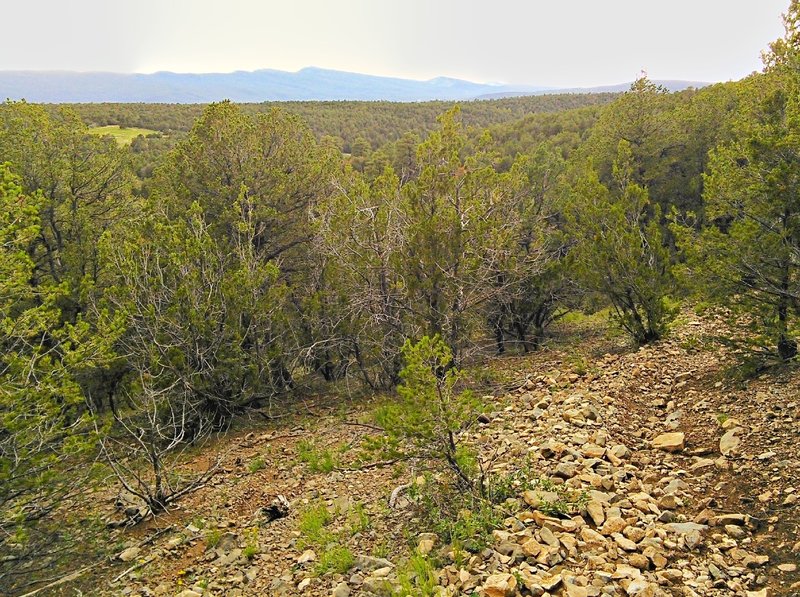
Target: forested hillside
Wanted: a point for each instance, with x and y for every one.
(218, 274)
(346, 121)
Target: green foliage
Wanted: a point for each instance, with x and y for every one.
(82, 181)
(358, 518)
(619, 249)
(531, 284)
(381, 549)
(45, 429)
(150, 292)
(362, 228)
(431, 414)
(197, 312)
(378, 123)
(334, 555)
(460, 232)
(502, 486)
(669, 136)
(417, 577)
(255, 180)
(122, 135)
(337, 559)
(213, 537)
(463, 519)
(312, 524)
(256, 464)
(567, 504)
(747, 259)
(318, 460)
(443, 250)
(251, 548)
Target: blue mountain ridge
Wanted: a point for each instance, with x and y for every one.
(255, 86)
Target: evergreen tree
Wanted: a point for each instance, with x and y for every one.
(748, 258)
(619, 249)
(45, 429)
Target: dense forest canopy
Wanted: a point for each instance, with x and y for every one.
(346, 121)
(152, 292)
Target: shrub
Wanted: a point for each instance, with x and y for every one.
(431, 415)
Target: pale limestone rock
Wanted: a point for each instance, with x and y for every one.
(670, 442)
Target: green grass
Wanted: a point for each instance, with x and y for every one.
(318, 460)
(213, 537)
(418, 576)
(312, 523)
(122, 135)
(334, 555)
(256, 464)
(337, 559)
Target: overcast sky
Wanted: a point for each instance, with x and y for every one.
(537, 42)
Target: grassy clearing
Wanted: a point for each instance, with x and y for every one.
(122, 135)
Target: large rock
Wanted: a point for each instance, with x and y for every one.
(670, 442)
(595, 511)
(129, 554)
(641, 588)
(307, 556)
(615, 524)
(364, 562)
(500, 585)
(575, 591)
(729, 442)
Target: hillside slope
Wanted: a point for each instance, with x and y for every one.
(710, 510)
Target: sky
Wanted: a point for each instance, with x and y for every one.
(557, 43)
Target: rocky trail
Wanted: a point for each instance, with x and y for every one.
(690, 485)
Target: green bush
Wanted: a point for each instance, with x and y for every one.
(313, 522)
(462, 519)
(431, 415)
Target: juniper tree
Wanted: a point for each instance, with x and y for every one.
(749, 257)
(619, 249)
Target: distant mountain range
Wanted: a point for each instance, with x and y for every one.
(258, 86)
(620, 87)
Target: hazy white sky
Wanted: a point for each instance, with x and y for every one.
(537, 42)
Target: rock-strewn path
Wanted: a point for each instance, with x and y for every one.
(677, 507)
(691, 480)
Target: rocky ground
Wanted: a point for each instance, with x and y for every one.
(688, 480)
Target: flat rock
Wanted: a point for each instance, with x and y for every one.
(670, 442)
(684, 528)
(641, 588)
(364, 562)
(500, 585)
(307, 556)
(129, 554)
(729, 443)
(615, 524)
(575, 591)
(596, 513)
